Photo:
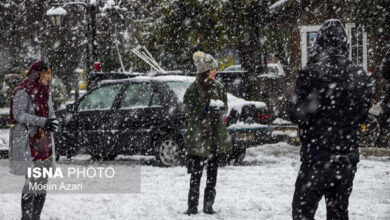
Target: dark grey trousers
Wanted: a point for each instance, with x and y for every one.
(33, 200)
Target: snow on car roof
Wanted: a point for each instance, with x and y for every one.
(174, 78)
(152, 78)
(237, 103)
(273, 76)
(234, 102)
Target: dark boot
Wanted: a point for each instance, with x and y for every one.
(193, 198)
(209, 211)
(209, 197)
(192, 210)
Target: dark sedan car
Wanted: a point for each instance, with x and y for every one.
(144, 115)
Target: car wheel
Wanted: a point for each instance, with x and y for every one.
(57, 157)
(370, 132)
(240, 156)
(224, 159)
(169, 151)
(96, 157)
(109, 157)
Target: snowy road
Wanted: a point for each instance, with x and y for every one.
(260, 189)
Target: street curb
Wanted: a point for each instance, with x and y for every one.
(375, 151)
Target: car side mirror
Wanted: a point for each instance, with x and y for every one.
(70, 107)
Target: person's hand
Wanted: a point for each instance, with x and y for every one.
(51, 124)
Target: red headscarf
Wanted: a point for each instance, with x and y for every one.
(40, 143)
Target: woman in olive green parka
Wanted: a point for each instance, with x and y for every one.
(199, 135)
(205, 104)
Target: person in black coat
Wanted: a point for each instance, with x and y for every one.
(330, 102)
(384, 117)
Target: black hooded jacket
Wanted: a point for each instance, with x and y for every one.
(385, 71)
(385, 66)
(331, 100)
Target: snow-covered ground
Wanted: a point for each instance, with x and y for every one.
(261, 188)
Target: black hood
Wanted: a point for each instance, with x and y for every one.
(331, 41)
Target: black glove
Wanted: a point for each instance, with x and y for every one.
(51, 124)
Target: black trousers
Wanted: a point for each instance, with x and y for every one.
(195, 167)
(384, 122)
(32, 200)
(334, 182)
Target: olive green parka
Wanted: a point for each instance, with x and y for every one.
(200, 136)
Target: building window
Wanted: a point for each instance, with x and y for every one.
(310, 38)
(357, 39)
(356, 45)
(308, 35)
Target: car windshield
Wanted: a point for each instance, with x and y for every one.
(179, 88)
(100, 99)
